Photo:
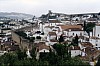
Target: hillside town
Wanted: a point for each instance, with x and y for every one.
(79, 33)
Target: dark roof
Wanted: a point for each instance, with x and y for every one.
(54, 21)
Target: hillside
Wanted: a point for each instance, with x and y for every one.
(14, 15)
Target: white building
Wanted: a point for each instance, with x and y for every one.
(75, 51)
(95, 41)
(96, 31)
(72, 30)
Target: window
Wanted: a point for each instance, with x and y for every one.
(96, 47)
(98, 35)
(96, 44)
(73, 34)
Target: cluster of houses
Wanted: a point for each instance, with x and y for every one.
(8, 25)
(88, 45)
(48, 30)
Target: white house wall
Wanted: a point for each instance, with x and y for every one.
(96, 31)
(75, 32)
(75, 53)
(44, 50)
(47, 30)
(95, 42)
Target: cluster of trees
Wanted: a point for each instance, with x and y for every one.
(89, 27)
(60, 58)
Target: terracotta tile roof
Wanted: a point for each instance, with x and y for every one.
(75, 48)
(73, 27)
(52, 33)
(53, 40)
(91, 52)
(86, 44)
(41, 45)
(38, 44)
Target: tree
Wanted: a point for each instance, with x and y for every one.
(21, 54)
(89, 27)
(63, 50)
(84, 26)
(8, 59)
(61, 39)
(32, 39)
(33, 54)
(76, 40)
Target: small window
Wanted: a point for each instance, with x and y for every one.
(98, 35)
(96, 44)
(96, 47)
(73, 34)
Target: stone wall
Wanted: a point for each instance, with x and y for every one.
(23, 43)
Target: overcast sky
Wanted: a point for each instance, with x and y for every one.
(38, 7)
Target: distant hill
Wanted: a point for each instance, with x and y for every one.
(14, 15)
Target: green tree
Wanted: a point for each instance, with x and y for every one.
(8, 59)
(21, 54)
(33, 54)
(89, 27)
(61, 39)
(75, 41)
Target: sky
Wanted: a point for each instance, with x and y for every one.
(39, 7)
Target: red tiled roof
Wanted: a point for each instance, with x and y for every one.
(53, 40)
(52, 33)
(86, 44)
(75, 48)
(73, 27)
